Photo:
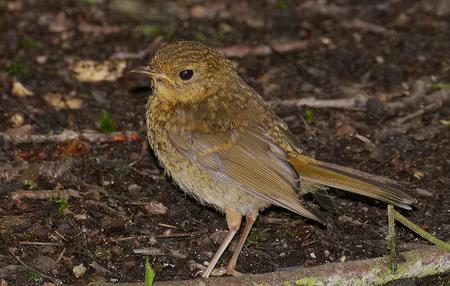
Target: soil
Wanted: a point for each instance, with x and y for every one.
(118, 187)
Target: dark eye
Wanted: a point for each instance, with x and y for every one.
(186, 74)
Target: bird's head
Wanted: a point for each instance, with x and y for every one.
(188, 72)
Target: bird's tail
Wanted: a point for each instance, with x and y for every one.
(351, 180)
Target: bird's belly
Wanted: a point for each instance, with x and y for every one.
(195, 181)
(216, 192)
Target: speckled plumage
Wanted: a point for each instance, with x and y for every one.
(221, 143)
(229, 104)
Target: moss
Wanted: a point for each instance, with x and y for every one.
(307, 281)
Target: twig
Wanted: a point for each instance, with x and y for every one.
(239, 51)
(170, 235)
(44, 195)
(101, 269)
(142, 154)
(418, 263)
(53, 279)
(368, 27)
(389, 159)
(23, 170)
(434, 101)
(60, 255)
(153, 251)
(343, 103)
(426, 235)
(419, 97)
(430, 107)
(188, 234)
(138, 237)
(67, 135)
(140, 54)
(392, 264)
(167, 225)
(39, 243)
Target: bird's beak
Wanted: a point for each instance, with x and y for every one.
(148, 71)
(145, 70)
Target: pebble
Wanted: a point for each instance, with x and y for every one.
(134, 188)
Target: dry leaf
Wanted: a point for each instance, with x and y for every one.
(129, 136)
(59, 24)
(19, 90)
(35, 155)
(17, 119)
(418, 174)
(79, 270)
(59, 101)
(74, 147)
(445, 122)
(92, 71)
(19, 131)
(155, 208)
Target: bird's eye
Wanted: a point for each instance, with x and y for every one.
(186, 74)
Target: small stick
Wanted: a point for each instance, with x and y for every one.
(140, 54)
(67, 135)
(239, 51)
(54, 280)
(167, 225)
(392, 264)
(171, 235)
(39, 243)
(420, 262)
(188, 234)
(341, 103)
(60, 255)
(426, 235)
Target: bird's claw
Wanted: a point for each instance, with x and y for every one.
(225, 270)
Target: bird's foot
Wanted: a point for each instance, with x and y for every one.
(226, 270)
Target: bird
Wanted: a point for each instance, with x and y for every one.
(221, 143)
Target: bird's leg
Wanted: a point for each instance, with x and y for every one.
(230, 268)
(234, 223)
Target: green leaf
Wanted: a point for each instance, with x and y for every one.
(151, 31)
(17, 68)
(149, 274)
(309, 115)
(281, 4)
(199, 36)
(92, 2)
(30, 184)
(30, 44)
(106, 123)
(34, 276)
(441, 86)
(63, 204)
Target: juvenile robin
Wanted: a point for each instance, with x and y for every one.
(222, 144)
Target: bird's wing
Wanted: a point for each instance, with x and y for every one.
(248, 160)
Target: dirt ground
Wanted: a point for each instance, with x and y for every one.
(98, 204)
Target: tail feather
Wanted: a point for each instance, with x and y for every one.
(351, 180)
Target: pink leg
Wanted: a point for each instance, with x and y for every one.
(231, 265)
(234, 223)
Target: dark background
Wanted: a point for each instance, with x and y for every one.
(383, 50)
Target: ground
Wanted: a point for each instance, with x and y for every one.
(108, 200)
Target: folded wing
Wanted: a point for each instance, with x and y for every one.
(248, 160)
